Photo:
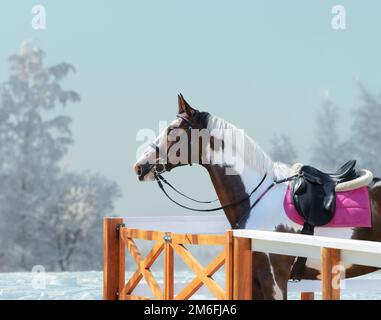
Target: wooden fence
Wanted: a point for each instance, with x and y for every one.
(118, 238)
(236, 256)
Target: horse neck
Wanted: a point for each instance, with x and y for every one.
(233, 188)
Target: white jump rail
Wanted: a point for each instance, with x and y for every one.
(352, 251)
(352, 286)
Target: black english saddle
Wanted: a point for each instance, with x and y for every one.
(314, 197)
(314, 194)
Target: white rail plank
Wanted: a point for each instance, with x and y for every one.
(347, 286)
(352, 251)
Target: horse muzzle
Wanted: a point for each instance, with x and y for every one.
(142, 170)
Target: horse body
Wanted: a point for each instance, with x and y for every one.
(271, 272)
(267, 215)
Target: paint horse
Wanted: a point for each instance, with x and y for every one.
(235, 183)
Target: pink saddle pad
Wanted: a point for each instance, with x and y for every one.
(352, 209)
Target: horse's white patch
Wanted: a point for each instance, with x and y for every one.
(277, 292)
(344, 233)
(269, 212)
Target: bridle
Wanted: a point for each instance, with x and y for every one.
(154, 146)
(242, 220)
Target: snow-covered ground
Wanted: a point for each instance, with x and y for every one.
(88, 286)
(72, 285)
(57, 286)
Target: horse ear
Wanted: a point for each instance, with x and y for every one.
(181, 106)
(184, 106)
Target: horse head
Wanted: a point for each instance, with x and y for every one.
(176, 144)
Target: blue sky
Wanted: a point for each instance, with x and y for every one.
(258, 64)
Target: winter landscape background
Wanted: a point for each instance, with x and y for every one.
(52, 216)
(73, 96)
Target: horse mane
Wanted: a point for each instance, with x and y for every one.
(251, 152)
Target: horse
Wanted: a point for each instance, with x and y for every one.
(240, 171)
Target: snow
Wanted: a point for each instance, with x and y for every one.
(73, 285)
(88, 286)
(58, 286)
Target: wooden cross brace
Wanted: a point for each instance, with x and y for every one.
(203, 276)
(143, 268)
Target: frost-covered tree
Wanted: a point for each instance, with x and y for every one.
(34, 138)
(328, 149)
(366, 131)
(70, 222)
(283, 150)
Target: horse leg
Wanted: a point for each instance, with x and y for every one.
(256, 285)
(281, 268)
(265, 286)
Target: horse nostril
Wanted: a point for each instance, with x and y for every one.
(138, 169)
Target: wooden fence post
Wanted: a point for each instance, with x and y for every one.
(121, 261)
(330, 259)
(229, 260)
(111, 262)
(307, 296)
(168, 268)
(242, 273)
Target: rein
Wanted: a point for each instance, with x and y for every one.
(179, 192)
(160, 180)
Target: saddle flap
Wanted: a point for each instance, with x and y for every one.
(329, 202)
(314, 199)
(299, 186)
